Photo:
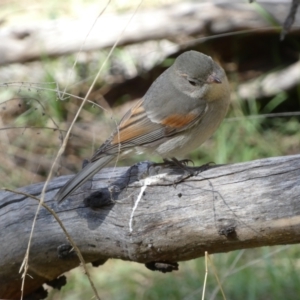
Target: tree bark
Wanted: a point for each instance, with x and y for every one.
(156, 214)
(59, 37)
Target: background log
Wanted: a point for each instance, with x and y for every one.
(222, 209)
(53, 38)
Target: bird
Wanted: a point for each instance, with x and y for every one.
(182, 109)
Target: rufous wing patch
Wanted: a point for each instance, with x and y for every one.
(178, 121)
(136, 124)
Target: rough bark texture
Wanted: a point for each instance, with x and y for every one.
(59, 37)
(225, 208)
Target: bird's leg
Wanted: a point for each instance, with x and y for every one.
(193, 170)
(171, 162)
(183, 164)
(165, 162)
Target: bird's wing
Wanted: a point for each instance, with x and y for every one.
(137, 129)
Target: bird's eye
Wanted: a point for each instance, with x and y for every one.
(192, 82)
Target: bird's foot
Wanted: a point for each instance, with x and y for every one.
(173, 163)
(183, 164)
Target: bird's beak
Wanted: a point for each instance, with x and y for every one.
(213, 79)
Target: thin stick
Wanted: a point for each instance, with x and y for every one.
(205, 277)
(216, 275)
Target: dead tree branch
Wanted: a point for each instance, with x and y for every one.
(159, 218)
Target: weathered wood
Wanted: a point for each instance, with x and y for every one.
(31, 41)
(225, 208)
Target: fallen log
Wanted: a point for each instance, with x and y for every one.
(149, 215)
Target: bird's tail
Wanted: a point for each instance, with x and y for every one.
(80, 178)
